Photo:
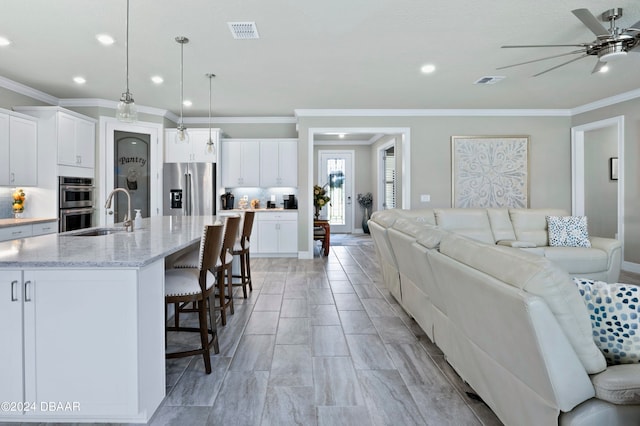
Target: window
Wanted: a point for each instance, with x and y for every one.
(389, 160)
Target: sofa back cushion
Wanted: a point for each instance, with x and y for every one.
(538, 276)
(472, 223)
(501, 224)
(385, 218)
(423, 216)
(531, 224)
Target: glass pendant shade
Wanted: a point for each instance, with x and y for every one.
(182, 136)
(210, 147)
(127, 111)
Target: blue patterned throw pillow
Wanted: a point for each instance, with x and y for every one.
(568, 231)
(615, 318)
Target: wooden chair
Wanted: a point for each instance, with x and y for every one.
(196, 286)
(241, 249)
(322, 232)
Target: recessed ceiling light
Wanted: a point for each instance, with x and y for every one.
(105, 39)
(157, 79)
(604, 69)
(79, 80)
(187, 103)
(427, 69)
(4, 41)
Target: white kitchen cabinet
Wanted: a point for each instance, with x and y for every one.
(67, 135)
(81, 356)
(19, 150)
(12, 366)
(277, 233)
(193, 152)
(76, 141)
(240, 163)
(28, 230)
(279, 163)
(44, 228)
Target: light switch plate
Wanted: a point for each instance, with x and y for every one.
(425, 198)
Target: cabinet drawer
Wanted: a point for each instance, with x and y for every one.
(277, 216)
(45, 228)
(15, 232)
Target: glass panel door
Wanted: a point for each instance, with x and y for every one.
(131, 171)
(335, 175)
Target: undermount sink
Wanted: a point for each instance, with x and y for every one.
(95, 232)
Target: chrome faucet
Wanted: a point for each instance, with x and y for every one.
(128, 224)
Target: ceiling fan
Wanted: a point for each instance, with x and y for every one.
(610, 44)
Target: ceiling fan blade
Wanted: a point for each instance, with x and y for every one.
(634, 27)
(598, 67)
(561, 65)
(591, 22)
(542, 59)
(516, 46)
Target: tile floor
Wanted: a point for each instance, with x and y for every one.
(319, 342)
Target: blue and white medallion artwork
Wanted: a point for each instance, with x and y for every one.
(490, 171)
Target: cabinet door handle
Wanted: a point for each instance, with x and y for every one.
(27, 295)
(13, 177)
(14, 287)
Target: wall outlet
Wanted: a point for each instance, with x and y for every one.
(425, 198)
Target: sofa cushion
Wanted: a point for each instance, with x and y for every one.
(531, 224)
(501, 226)
(615, 317)
(427, 235)
(618, 384)
(568, 231)
(577, 260)
(538, 276)
(385, 218)
(472, 223)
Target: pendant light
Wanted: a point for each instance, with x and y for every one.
(181, 135)
(210, 147)
(127, 110)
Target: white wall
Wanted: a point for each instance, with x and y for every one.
(601, 193)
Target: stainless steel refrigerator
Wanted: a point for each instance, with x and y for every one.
(189, 189)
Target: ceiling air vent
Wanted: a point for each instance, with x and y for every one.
(243, 30)
(493, 79)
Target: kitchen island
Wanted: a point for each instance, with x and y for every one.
(82, 322)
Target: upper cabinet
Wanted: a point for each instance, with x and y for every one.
(240, 162)
(279, 163)
(76, 141)
(66, 139)
(262, 163)
(18, 150)
(196, 151)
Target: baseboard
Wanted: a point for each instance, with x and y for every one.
(631, 267)
(305, 255)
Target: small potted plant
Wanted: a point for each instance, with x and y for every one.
(365, 201)
(320, 199)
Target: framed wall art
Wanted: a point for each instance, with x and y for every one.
(490, 171)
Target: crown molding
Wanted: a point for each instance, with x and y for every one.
(22, 89)
(623, 97)
(110, 104)
(432, 112)
(241, 120)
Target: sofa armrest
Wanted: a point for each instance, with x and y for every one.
(618, 384)
(516, 244)
(606, 244)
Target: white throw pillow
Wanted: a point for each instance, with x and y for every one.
(615, 317)
(568, 231)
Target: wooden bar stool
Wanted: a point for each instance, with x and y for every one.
(322, 232)
(241, 249)
(222, 269)
(196, 286)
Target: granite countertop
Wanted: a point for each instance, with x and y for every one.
(159, 237)
(5, 223)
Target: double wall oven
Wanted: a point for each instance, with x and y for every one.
(76, 204)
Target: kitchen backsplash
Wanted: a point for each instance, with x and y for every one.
(5, 203)
(262, 194)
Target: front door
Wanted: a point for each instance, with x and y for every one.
(336, 174)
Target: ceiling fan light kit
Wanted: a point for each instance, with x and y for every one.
(610, 45)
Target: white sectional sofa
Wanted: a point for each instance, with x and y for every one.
(510, 321)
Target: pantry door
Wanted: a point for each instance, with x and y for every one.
(336, 175)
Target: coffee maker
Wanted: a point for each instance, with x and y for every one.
(226, 201)
(291, 203)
